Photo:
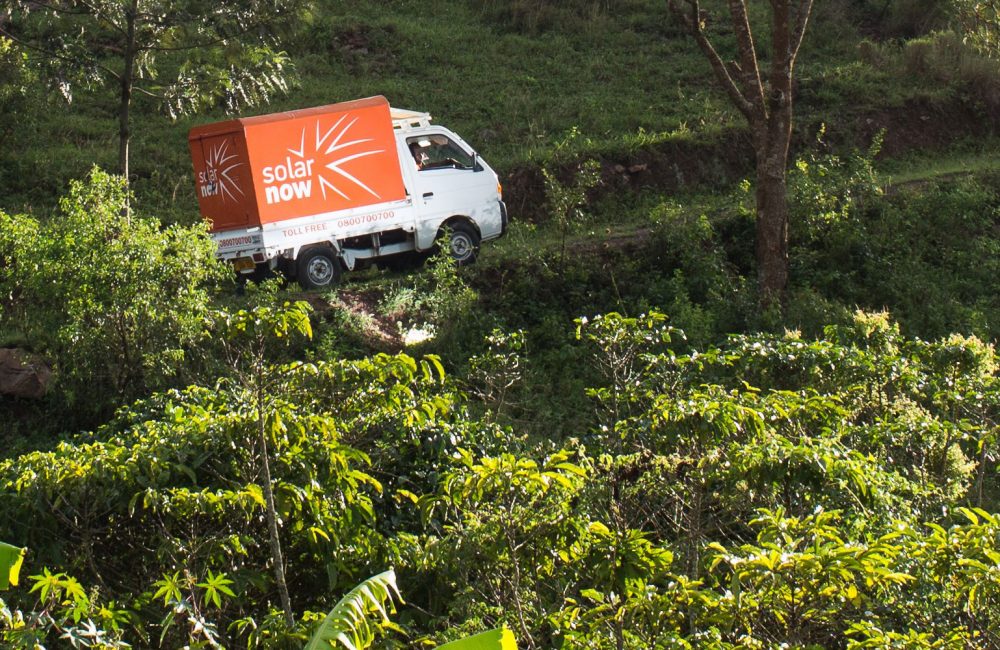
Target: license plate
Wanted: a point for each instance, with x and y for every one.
(244, 265)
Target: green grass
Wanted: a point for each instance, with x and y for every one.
(963, 160)
(627, 79)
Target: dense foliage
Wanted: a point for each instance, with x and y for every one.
(595, 437)
(772, 490)
(111, 298)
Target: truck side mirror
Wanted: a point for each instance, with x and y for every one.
(476, 167)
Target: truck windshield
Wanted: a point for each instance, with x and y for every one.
(438, 152)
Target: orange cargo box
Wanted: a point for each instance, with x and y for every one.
(258, 170)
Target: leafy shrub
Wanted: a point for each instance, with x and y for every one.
(63, 611)
(440, 305)
(919, 251)
(980, 24)
(946, 58)
(112, 298)
(776, 489)
(174, 487)
(566, 200)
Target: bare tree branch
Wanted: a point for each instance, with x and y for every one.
(693, 23)
(798, 34)
(753, 87)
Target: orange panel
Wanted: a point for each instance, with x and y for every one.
(300, 163)
(222, 178)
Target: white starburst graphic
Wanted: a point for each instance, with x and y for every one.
(218, 173)
(325, 146)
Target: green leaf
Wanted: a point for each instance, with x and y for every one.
(11, 558)
(407, 495)
(598, 528)
(256, 493)
(498, 639)
(215, 585)
(349, 622)
(168, 588)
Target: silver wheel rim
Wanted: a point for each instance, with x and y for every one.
(461, 246)
(319, 270)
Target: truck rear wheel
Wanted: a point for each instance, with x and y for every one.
(463, 244)
(318, 268)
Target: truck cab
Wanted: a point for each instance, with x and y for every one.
(448, 182)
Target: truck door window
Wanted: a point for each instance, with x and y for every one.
(438, 152)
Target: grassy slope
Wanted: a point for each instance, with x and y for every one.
(626, 79)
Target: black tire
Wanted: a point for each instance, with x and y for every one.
(318, 268)
(463, 242)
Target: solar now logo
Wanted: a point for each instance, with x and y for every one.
(318, 162)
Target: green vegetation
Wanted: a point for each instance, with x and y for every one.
(594, 437)
(112, 300)
(180, 55)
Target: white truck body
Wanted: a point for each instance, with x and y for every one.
(454, 188)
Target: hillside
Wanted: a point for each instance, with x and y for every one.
(517, 80)
(599, 435)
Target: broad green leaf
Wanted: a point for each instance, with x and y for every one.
(349, 622)
(498, 639)
(11, 558)
(598, 528)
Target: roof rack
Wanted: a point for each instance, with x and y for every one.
(405, 120)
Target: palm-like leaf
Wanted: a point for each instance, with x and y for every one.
(350, 621)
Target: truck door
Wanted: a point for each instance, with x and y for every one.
(223, 181)
(448, 182)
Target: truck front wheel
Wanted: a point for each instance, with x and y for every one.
(318, 268)
(463, 243)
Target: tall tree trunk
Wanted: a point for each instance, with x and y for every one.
(771, 246)
(126, 82)
(772, 188)
(772, 137)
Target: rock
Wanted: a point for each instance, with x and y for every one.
(23, 374)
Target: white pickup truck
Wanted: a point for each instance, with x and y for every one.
(316, 191)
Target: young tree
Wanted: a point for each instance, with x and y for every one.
(979, 21)
(116, 302)
(248, 337)
(215, 51)
(765, 100)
